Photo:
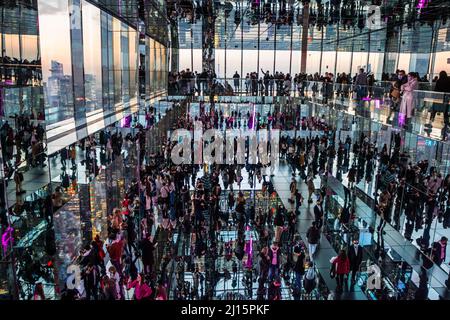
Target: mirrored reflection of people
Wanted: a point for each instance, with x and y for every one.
(318, 214)
(18, 179)
(274, 257)
(439, 251)
(355, 256)
(408, 103)
(341, 265)
(313, 236)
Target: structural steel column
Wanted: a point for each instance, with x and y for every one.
(305, 29)
(175, 43)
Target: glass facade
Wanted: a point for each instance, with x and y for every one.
(91, 69)
(90, 81)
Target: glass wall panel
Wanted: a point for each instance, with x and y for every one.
(376, 64)
(296, 56)
(185, 59)
(328, 60)
(233, 62)
(313, 61)
(57, 67)
(133, 63)
(152, 67)
(283, 58)
(107, 66)
(158, 65)
(12, 47)
(359, 61)
(198, 64)
(116, 31)
(147, 67)
(125, 64)
(441, 63)
(92, 43)
(76, 37)
(403, 62)
(30, 48)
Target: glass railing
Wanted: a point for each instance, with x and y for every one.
(26, 100)
(269, 88)
(421, 112)
(429, 117)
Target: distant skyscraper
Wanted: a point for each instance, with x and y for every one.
(59, 92)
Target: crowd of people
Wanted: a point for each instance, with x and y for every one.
(399, 88)
(187, 197)
(175, 198)
(14, 71)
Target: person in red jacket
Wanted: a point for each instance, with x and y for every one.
(115, 251)
(341, 265)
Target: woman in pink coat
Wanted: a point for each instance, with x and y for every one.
(408, 99)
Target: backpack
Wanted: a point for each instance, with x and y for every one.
(309, 283)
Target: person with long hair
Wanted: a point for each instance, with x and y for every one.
(142, 290)
(408, 103)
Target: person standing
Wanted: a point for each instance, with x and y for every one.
(142, 291)
(274, 258)
(236, 79)
(408, 103)
(443, 85)
(293, 189)
(318, 214)
(361, 89)
(355, 255)
(311, 189)
(299, 201)
(18, 179)
(341, 266)
(278, 222)
(148, 247)
(299, 263)
(115, 251)
(439, 251)
(313, 236)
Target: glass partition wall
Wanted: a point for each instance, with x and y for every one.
(91, 64)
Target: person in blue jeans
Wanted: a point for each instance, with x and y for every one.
(274, 258)
(298, 256)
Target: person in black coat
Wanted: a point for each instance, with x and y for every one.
(318, 214)
(442, 85)
(355, 255)
(299, 261)
(148, 248)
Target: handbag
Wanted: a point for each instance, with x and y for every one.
(395, 93)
